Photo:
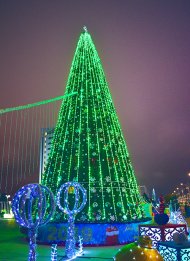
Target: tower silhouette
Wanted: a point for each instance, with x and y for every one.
(88, 145)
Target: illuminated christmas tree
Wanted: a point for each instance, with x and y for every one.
(89, 147)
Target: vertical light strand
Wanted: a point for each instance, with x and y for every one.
(100, 106)
(31, 140)
(76, 77)
(113, 124)
(133, 183)
(8, 151)
(53, 158)
(96, 84)
(80, 95)
(105, 130)
(19, 145)
(97, 133)
(26, 143)
(39, 127)
(14, 149)
(36, 118)
(3, 152)
(23, 144)
(108, 131)
(87, 87)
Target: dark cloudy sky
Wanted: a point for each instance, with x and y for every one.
(145, 50)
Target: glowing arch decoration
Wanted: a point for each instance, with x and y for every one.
(79, 203)
(30, 209)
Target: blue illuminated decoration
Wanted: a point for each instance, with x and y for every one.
(74, 187)
(30, 209)
(54, 252)
(80, 245)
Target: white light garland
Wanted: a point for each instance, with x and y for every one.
(54, 252)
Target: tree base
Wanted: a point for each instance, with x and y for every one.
(92, 234)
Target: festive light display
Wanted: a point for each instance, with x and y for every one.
(89, 147)
(29, 208)
(78, 205)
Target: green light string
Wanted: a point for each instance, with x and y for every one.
(88, 143)
(114, 110)
(28, 106)
(107, 114)
(80, 112)
(132, 208)
(73, 80)
(102, 78)
(94, 77)
(133, 183)
(61, 120)
(105, 103)
(94, 60)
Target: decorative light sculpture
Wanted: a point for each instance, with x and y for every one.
(54, 252)
(70, 250)
(176, 217)
(80, 245)
(29, 206)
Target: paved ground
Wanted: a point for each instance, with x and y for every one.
(14, 247)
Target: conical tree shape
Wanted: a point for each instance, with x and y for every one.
(89, 147)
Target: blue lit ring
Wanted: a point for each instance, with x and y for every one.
(76, 207)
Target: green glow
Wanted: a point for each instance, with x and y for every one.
(28, 106)
(89, 147)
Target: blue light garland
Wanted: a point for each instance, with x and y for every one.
(29, 208)
(70, 249)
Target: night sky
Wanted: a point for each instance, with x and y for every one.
(144, 47)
